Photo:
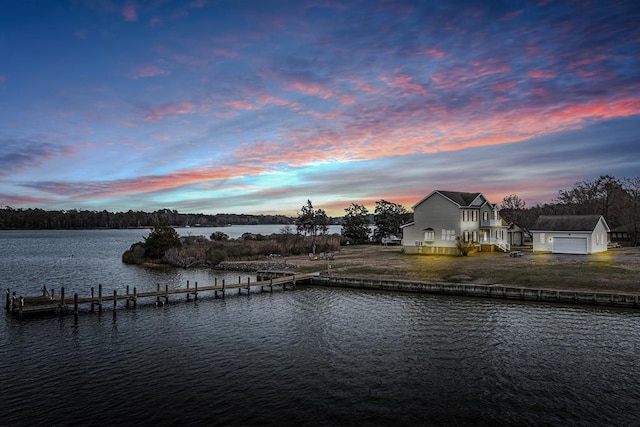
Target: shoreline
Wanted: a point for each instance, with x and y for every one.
(586, 298)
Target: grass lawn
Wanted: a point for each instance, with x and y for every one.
(617, 270)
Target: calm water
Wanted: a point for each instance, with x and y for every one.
(313, 356)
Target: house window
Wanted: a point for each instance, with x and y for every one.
(429, 235)
(542, 237)
(485, 216)
(448, 234)
(465, 236)
(474, 216)
(418, 243)
(474, 236)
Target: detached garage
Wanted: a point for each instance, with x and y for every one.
(570, 234)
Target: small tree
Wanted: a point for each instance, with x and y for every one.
(356, 224)
(160, 240)
(388, 217)
(512, 208)
(312, 222)
(465, 248)
(219, 235)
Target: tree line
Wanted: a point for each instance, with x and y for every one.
(617, 200)
(12, 218)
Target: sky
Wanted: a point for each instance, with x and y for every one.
(234, 106)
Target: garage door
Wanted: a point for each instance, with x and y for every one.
(569, 245)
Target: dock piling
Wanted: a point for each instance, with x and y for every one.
(115, 303)
(75, 308)
(100, 298)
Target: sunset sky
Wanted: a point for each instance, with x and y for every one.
(233, 106)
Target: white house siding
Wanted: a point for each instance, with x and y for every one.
(596, 240)
(438, 213)
(599, 238)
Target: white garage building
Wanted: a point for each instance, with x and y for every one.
(570, 234)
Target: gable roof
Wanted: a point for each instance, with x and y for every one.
(567, 223)
(460, 198)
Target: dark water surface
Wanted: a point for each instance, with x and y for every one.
(312, 356)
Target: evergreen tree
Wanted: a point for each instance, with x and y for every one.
(160, 240)
(388, 217)
(356, 224)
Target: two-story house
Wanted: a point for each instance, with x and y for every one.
(443, 217)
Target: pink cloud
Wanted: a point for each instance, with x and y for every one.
(148, 71)
(489, 67)
(541, 74)
(503, 86)
(241, 104)
(313, 89)
(169, 110)
(436, 53)
(406, 83)
(129, 12)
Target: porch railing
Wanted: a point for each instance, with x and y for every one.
(501, 244)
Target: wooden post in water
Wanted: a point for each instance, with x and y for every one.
(62, 300)
(187, 290)
(92, 294)
(215, 283)
(75, 308)
(248, 285)
(99, 297)
(8, 300)
(158, 295)
(222, 288)
(115, 304)
(166, 294)
(270, 285)
(127, 296)
(135, 297)
(195, 294)
(21, 306)
(239, 282)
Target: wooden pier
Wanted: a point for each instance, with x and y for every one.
(21, 306)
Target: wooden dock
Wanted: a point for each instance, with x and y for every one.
(21, 306)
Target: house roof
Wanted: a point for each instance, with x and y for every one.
(460, 198)
(567, 223)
